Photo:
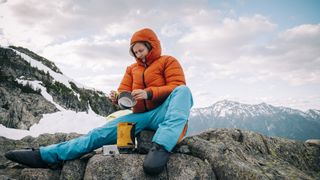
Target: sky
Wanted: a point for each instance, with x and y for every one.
(241, 50)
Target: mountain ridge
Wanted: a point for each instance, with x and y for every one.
(264, 118)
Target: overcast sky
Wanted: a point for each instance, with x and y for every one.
(241, 50)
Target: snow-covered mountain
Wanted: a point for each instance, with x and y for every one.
(263, 118)
(36, 97)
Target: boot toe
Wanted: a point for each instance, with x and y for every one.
(9, 155)
(151, 169)
(156, 160)
(28, 157)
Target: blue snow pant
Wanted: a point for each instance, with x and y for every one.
(168, 120)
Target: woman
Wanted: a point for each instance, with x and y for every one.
(157, 82)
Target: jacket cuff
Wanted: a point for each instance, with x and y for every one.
(149, 95)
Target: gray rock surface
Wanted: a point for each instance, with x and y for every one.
(29, 142)
(246, 155)
(215, 154)
(39, 174)
(22, 110)
(144, 141)
(129, 166)
(73, 169)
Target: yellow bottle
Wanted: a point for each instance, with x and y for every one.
(126, 137)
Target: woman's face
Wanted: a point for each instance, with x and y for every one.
(140, 50)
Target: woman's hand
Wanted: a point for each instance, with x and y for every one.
(113, 96)
(139, 94)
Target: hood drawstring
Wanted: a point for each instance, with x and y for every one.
(144, 62)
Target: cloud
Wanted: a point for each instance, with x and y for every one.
(223, 41)
(233, 31)
(89, 40)
(3, 1)
(217, 49)
(294, 55)
(105, 82)
(234, 49)
(58, 22)
(171, 30)
(98, 55)
(76, 18)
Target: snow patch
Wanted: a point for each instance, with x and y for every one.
(223, 112)
(64, 121)
(36, 85)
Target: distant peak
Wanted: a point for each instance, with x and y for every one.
(225, 101)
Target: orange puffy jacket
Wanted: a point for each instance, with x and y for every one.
(158, 76)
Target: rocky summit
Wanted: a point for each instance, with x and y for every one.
(214, 154)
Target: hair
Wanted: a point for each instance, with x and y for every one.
(145, 43)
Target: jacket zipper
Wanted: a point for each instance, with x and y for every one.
(144, 83)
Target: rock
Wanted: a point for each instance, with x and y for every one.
(21, 110)
(216, 154)
(10, 173)
(144, 141)
(39, 174)
(3, 177)
(73, 170)
(30, 142)
(129, 166)
(235, 154)
(182, 166)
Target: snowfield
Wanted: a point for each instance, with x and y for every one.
(63, 121)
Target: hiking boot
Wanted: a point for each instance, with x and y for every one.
(28, 157)
(155, 160)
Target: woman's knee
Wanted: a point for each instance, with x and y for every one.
(184, 91)
(183, 88)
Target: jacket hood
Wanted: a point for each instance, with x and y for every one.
(148, 35)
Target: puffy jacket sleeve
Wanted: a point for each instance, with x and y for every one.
(126, 82)
(174, 76)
